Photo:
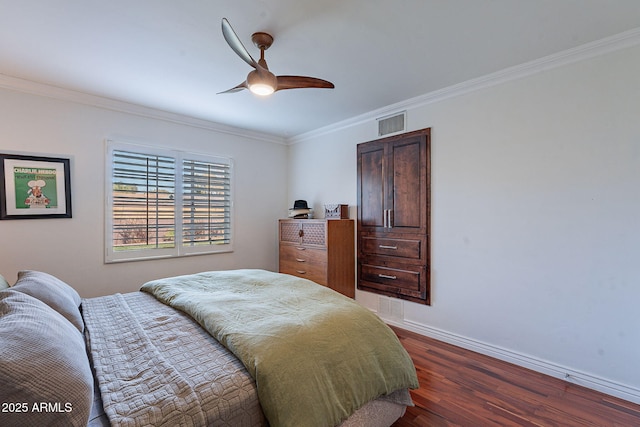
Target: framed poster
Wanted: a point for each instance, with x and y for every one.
(34, 187)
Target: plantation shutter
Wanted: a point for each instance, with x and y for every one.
(166, 203)
(143, 201)
(206, 202)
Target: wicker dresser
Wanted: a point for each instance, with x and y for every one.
(320, 250)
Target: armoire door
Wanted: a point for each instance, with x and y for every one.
(406, 201)
(392, 185)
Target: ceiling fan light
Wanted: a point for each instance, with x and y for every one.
(262, 82)
(261, 89)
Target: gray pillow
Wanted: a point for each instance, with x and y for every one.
(53, 292)
(44, 368)
(3, 283)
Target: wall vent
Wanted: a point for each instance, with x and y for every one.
(392, 124)
(390, 308)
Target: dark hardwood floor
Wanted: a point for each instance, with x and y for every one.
(459, 387)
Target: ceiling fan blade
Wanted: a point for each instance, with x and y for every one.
(301, 82)
(238, 88)
(234, 42)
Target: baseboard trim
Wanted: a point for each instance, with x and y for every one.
(602, 385)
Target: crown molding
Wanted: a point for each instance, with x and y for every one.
(40, 89)
(590, 50)
(580, 53)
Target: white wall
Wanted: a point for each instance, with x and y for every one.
(535, 214)
(72, 249)
(535, 217)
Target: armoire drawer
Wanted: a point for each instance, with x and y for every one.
(402, 279)
(402, 248)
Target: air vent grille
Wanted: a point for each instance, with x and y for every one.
(390, 308)
(392, 124)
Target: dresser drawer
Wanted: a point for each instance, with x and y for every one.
(403, 248)
(304, 232)
(304, 262)
(301, 254)
(397, 279)
(314, 273)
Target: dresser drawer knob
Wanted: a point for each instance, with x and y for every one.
(387, 247)
(301, 260)
(386, 276)
(300, 249)
(301, 272)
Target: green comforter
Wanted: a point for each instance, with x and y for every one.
(316, 355)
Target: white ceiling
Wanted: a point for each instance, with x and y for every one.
(170, 54)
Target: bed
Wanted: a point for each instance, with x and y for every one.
(224, 348)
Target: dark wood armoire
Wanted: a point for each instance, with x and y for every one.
(394, 216)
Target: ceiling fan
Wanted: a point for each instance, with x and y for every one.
(261, 81)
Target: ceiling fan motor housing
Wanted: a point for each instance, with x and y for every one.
(262, 82)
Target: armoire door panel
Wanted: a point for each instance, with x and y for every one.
(407, 185)
(372, 188)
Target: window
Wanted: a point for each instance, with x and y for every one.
(163, 203)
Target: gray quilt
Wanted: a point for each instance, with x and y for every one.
(156, 366)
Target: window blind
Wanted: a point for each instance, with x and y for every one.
(166, 203)
(206, 203)
(143, 214)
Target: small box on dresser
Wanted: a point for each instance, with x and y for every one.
(320, 250)
(336, 211)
